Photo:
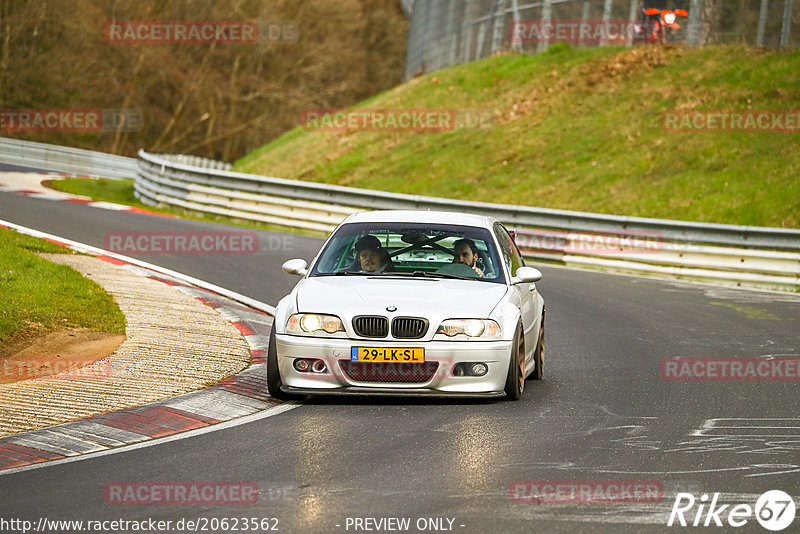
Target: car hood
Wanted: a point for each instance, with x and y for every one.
(429, 298)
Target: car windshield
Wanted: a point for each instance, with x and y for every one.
(411, 250)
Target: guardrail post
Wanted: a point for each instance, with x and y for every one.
(547, 13)
(608, 4)
(516, 43)
(497, 29)
(762, 23)
(632, 16)
(694, 23)
(471, 27)
(786, 29)
(481, 29)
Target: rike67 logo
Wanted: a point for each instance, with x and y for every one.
(774, 510)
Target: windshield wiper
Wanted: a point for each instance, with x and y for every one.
(433, 275)
(389, 274)
(343, 273)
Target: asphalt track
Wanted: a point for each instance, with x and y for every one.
(602, 413)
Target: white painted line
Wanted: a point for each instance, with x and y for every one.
(51, 196)
(782, 469)
(277, 410)
(92, 441)
(82, 247)
(217, 404)
(109, 206)
(107, 436)
(673, 472)
(41, 443)
(748, 427)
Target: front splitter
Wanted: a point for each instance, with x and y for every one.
(393, 392)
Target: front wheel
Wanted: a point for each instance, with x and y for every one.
(274, 382)
(515, 381)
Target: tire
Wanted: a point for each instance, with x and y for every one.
(515, 380)
(273, 375)
(538, 355)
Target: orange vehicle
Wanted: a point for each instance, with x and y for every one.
(658, 25)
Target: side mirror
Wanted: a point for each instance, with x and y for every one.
(526, 275)
(296, 266)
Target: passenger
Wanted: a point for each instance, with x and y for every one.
(372, 257)
(467, 253)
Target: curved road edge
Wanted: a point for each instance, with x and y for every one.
(239, 399)
(168, 273)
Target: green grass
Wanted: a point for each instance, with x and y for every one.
(578, 130)
(36, 294)
(102, 189)
(105, 189)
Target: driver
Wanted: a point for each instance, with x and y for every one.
(467, 253)
(372, 257)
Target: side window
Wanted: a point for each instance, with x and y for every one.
(515, 251)
(511, 254)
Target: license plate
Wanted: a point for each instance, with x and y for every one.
(384, 354)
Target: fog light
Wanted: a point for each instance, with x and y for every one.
(301, 365)
(318, 366)
(470, 369)
(479, 369)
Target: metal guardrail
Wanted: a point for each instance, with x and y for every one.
(153, 168)
(198, 161)
(737, 255)
(648, 254)
(163, 181)
(66, 159)
(734, 255)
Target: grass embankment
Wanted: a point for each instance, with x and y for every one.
(104, 189)
(579, 130)
(37, 296)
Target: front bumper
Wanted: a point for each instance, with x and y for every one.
(393, 392)
(495, 354)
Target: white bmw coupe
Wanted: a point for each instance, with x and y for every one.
(410, 303)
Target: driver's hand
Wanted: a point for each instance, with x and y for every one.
(477, 270)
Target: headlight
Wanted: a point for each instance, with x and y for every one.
(309, 323)
(473, 328)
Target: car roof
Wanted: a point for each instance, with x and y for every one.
(422, 216)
